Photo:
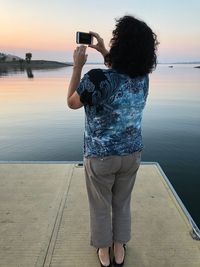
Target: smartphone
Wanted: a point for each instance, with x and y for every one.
(83, 38)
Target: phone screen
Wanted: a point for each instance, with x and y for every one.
(83, 38)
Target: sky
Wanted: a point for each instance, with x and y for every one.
(47, 28)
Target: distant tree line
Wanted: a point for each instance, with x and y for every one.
(28, 57)
(3, 58)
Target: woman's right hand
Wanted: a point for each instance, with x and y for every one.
(100, 47)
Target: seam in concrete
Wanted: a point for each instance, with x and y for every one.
(44, 259)
(55, 162)
(38, 162)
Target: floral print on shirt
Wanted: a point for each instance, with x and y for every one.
(113, 104)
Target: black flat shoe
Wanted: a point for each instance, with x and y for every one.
(115, 264)
(110, 265)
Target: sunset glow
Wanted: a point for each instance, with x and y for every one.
(47, 27)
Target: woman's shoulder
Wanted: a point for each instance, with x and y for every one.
(95, 73)
(98, 75)
(100, 71)
(109, 74)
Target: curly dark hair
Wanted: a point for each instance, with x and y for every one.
(132, 47)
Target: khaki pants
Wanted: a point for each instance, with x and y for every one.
(109, 183)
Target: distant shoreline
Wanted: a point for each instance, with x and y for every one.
(34, 64)
(49, 64)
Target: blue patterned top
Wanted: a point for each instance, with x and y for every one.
(113, 104)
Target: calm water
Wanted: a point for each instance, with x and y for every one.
(36, 124)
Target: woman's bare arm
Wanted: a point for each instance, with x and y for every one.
(73, 99)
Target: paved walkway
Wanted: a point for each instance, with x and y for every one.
(44, 220)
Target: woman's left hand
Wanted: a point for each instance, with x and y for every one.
(79, 56)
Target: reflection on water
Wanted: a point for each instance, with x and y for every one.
(36, 124)
(29, 73)
(8, 72)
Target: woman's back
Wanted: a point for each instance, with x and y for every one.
(113, 104)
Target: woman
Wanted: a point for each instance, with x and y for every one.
(114, 100)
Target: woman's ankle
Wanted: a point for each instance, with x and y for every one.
(104, 255)
(118, 244)
(118, 251)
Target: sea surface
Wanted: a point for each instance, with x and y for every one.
(37, 125)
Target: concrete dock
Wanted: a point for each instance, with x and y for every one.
(44, 219)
